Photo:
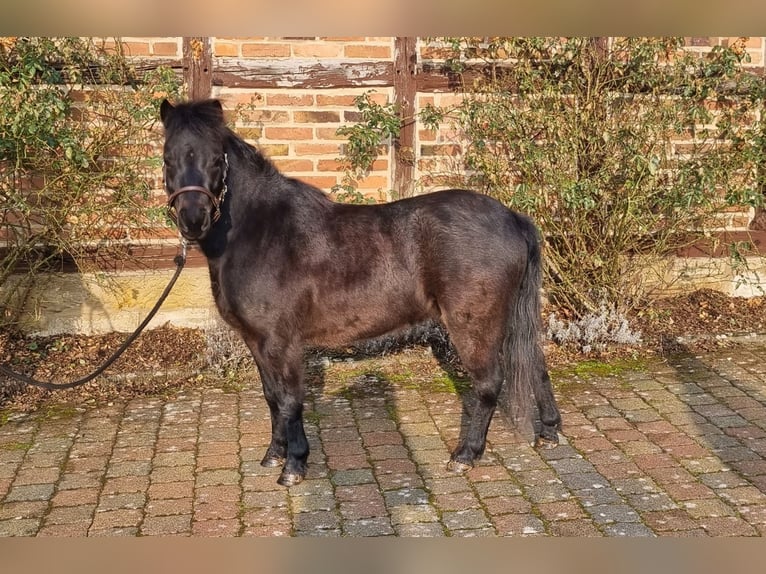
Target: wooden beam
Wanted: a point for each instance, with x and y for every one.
(297, 73)
(198, 67)
(405, 93)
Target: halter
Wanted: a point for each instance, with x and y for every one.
(215, 200)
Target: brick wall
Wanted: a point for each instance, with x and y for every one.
(293, 93)
(290, 95)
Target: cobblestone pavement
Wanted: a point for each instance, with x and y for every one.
(673, 448)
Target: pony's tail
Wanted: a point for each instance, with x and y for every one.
(523, 358)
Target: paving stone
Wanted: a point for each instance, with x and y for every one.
(518, 525)
(368, 527)
(642, 454)
(216, 528)
(70, 514)
(419, 530)
(609, 513)
(348, 477)
(30, 492)
(465, 519)
(727, 526)
(20, 527)
(316, 521)
(410, 513)
(405, 496)
(575, 528)
(23, 509)
(632, 530)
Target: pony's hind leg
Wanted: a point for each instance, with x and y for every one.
(550, 417)
(487, 383)
(479, 356)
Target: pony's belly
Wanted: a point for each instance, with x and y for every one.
(340, 329)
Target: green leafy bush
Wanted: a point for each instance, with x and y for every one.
(622, 151)
(76, 156)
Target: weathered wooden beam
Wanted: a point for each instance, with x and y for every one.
(198, 67)
(405, 93)
(298, 73)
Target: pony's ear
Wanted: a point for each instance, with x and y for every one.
(215, 108)
(165, 108)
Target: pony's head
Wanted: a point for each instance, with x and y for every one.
(195, 164)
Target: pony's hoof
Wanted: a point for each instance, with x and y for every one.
(289, 478)
(272, 461)
(545, 443)
(458, 467)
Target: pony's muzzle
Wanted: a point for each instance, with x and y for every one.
(194, 210)
(193, 222)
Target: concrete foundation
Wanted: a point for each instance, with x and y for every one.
(95, 303)
(92, 304)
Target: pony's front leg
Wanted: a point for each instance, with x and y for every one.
(291, 415)
(281, 374)
(276, 453)
(288, 438)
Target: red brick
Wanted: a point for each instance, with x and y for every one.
(341, 100)
(289, 99)
(357, 509)
(274, 150)
(165, 49)
(250, 50)
(307, 117)
(116, 518)
(329, 134)
(136, 48)
(618, 470)
(330, 165)
(283, 133)
(316, 149)
(293, 165)
(373, 182)
(225, 49)
(367, 51)
(317, 50)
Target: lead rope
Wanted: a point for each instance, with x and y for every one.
(180, 261)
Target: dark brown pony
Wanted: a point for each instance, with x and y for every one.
(290, 268)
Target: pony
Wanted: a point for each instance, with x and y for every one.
(291, 269)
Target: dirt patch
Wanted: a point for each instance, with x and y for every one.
(161, 360)
(170, 359)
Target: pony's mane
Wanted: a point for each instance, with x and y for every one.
(200, 117)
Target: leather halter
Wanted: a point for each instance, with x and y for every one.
(215, 200)
(210, 195)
